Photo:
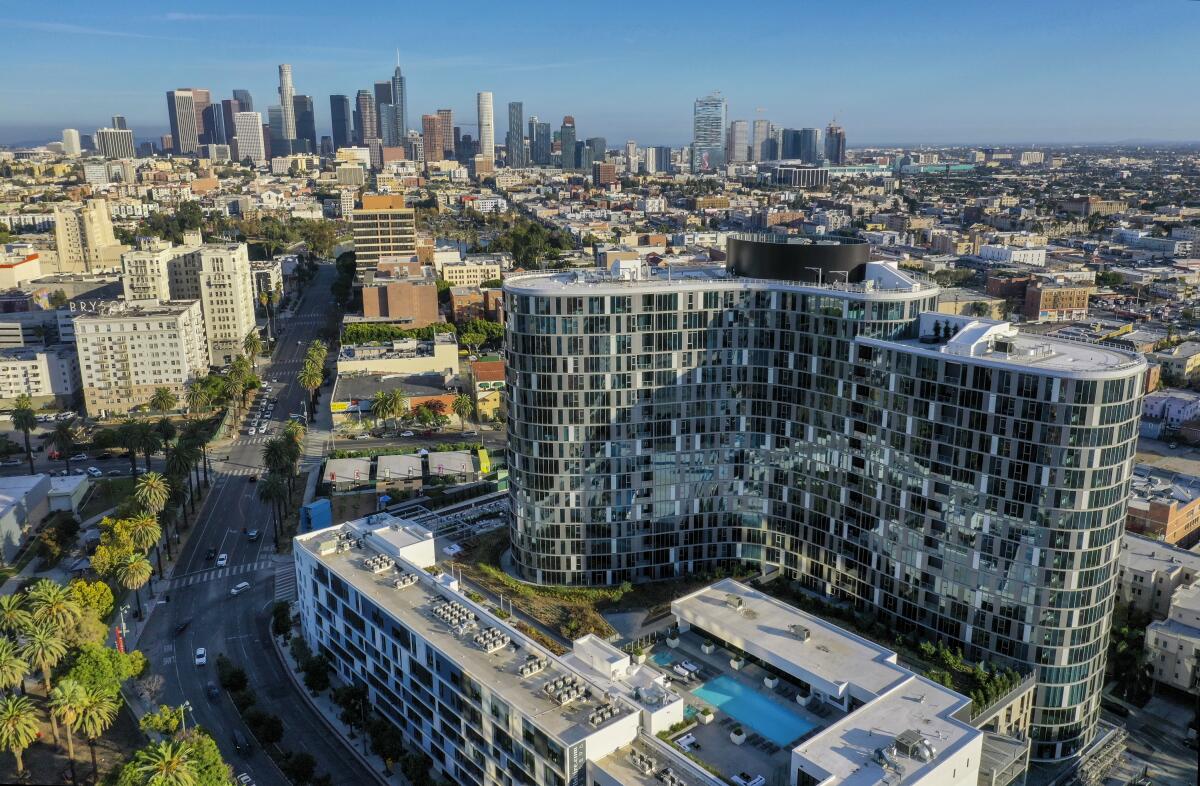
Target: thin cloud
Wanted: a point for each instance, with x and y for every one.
(177, 16)
(69, 29)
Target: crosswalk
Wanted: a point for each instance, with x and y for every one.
(212, 574)
(285, 582)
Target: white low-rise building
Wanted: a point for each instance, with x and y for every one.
(1014, 255)
(1173, 644)
(48, 375)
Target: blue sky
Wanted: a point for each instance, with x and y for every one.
(932, 71)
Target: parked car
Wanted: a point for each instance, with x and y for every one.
(79, 457)
(362, 436)
(201, 656)
(407, 434)
(95, 472)
(105, 455)
(14, 462)
(252, 431)
(113, 473)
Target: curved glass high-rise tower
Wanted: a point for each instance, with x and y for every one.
(808, 411)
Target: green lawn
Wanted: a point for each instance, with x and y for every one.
(106, 493)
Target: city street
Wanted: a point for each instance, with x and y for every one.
(239, 626)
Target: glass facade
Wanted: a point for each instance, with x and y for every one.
(659, 429)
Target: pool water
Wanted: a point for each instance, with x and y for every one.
(754, 710)
(664, 659)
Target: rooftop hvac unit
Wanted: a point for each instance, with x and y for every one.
(800, 631)
(912, 744)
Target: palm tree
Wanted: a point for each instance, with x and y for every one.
(166, 763)
(231, 388)
(13, 667)
(152, 492)
(273, 491)
(196, 397)
(463, 407)
(14, 617)
(51, 602)
(252, 345)
(18, 727)
(129, 436)
(96, 713)
(179, 465)
(152, 442)
(294, 430)
(66, 701)
(145, 533)
(63, 440)
(25, 421)
(383, 405)
(133, 573)
(44, 647)
(163, 400)
(310, 378)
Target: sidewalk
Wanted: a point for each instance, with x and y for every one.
(328, 712)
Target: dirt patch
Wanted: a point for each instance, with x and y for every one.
(48, 765)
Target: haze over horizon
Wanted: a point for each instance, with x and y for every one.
(938, 73)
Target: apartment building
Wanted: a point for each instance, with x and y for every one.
(217, 275)
(383, 227)
(1048, 301)
(472, 271)
(401, 293)
(491, 706)
(805, 409)
(1165, 506)
(1173, 645)
(1149, 572)
(84, 239)
(268, 278)
(19, 263)
(126, 351)
(48, 375)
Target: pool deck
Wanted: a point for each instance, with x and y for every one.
(715, 747)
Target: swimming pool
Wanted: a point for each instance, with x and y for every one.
(754, 710)
(663, 658)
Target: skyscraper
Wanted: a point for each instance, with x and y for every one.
(201, 98)
(431, 137)
(810, 145)
(835, 144)
(514, 142)
(952, 478)
(214, 125)
(181, 110)
(400, 103)
(306, 121)
(566, 140)
(738, 149)
(708, 133)
(365, 128)
(540, 140)
(280, 144)
(760, 140)
(597, 150)
(70, 142)
(487, 127)
(244, 100)
(286, 95)
(118, 122)
(631, 157)
(229, 108)
(446, 123)
(339, 113)
(384, 116)
(248, 133)
(114, 142)
(789, 147)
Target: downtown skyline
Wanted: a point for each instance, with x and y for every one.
(627, 84)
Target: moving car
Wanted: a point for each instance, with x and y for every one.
(201, 656)
(181, 627)
(211, 553)
(362, 436)
(239, 588)
(239, 742)
(79, 457)
(222, 560)
(407, 434)
(252, 534)
(252, 431)
(95, 472)
(112, 473)
(212, 691)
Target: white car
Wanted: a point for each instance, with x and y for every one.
(222, 560)
(201, 656)
(406, 434)
(95, 472)
(239, 588)
(252, 431)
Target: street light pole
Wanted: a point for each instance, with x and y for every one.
(183, 711)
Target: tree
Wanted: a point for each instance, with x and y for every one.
(96, 714)
(63, 440)
(152, 492)
(51, 602)
(18, 727)
(299, 767)
(163, 400)
(44, 648)
(144, 534)
(133, 573)
(13, 667)
(166, 763)
(66, 703)
(25, 421)
(166, 720)
(252, 345)
(92, 597)
(309, 378)
(102, 668)
(14, 617)
(463, 407)
(266, 727)
(273, 490)
(196, 397)
(210, 769)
